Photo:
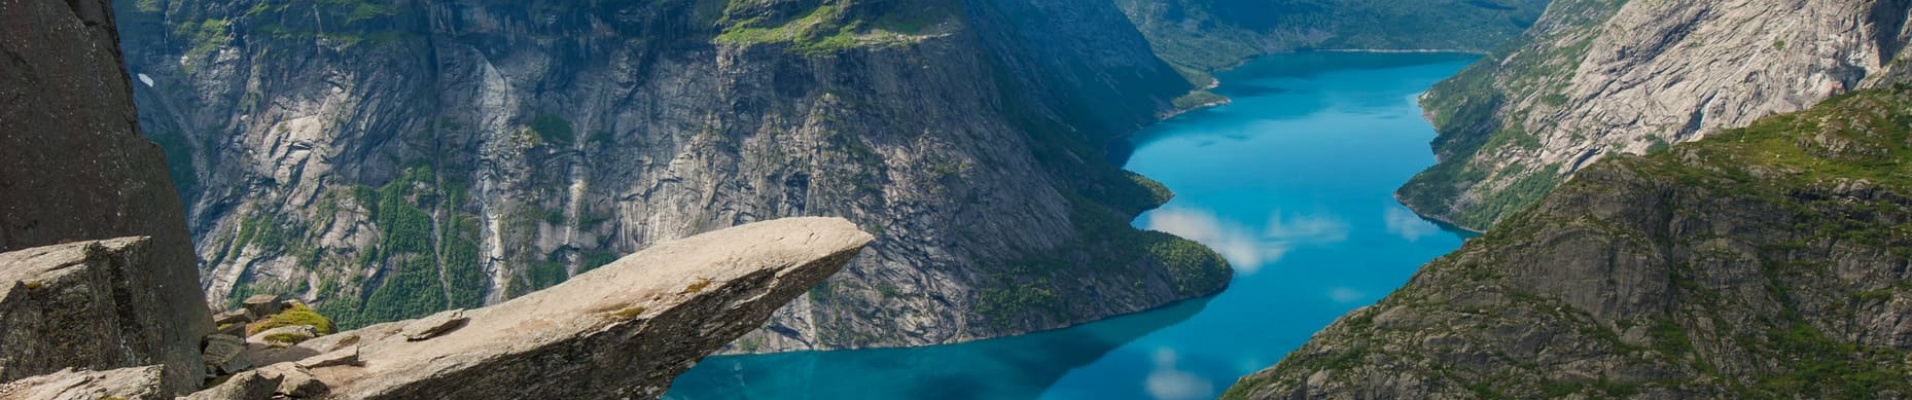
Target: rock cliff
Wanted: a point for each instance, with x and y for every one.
(73, 167)
(1209, 35)
(1763, 262)
(1596, 78)
(623, 330)
(387, 160)
(90, 305)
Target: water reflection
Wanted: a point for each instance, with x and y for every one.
(1011, 368)
(1248, 248)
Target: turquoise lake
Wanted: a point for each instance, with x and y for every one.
(1292, 182)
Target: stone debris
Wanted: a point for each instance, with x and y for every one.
(297, 381)
(249, 385)
(226, 355)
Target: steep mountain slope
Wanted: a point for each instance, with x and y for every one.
(1773, 261)
(1208, 35)
(73, 168)
(390, 159)
(1600, 77)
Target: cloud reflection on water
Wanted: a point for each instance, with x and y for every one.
(1402, 222)
(1166, 382)
(1249, 248)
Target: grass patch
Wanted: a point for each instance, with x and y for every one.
(297, 315)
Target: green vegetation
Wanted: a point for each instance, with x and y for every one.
(698, 286)
(203, 38)
(830, 27)
(1197, 99)
(1212, 35)
(429, 263)
(298, 314)
(179, 160)
(1106, 247)
(542, 274)
(629, 313)
(593, 259)
(552, 129)
(342, 23)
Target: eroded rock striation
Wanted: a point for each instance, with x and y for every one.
(1596, 78)
(390, 160)
(74, 167)
(1773, 261)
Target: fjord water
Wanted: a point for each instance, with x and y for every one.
(1292, 182)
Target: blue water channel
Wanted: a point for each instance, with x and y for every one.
(1292, 182)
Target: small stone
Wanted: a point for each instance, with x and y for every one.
(234, 330)
(226, 354)
(295, 381)
(235, 317)
(434, 325)
(261, 306)
(346, 356)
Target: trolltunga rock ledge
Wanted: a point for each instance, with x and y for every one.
(621, 331)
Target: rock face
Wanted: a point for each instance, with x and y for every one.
(385, 161)
(620, 331)
(89, 305)
(1601, 77)
(74, 167)
(140, 383)
(1209, 35)
(1773, 261)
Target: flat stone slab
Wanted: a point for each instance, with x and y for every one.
(347, 356)
(623, 330)
(434, 325)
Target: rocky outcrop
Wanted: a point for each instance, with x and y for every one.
(73, 167)
(141, 383)
(1596, 78)
(1764, 262)
(1210, 35)
(83, 305)
(389, 161)
(620, 331)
